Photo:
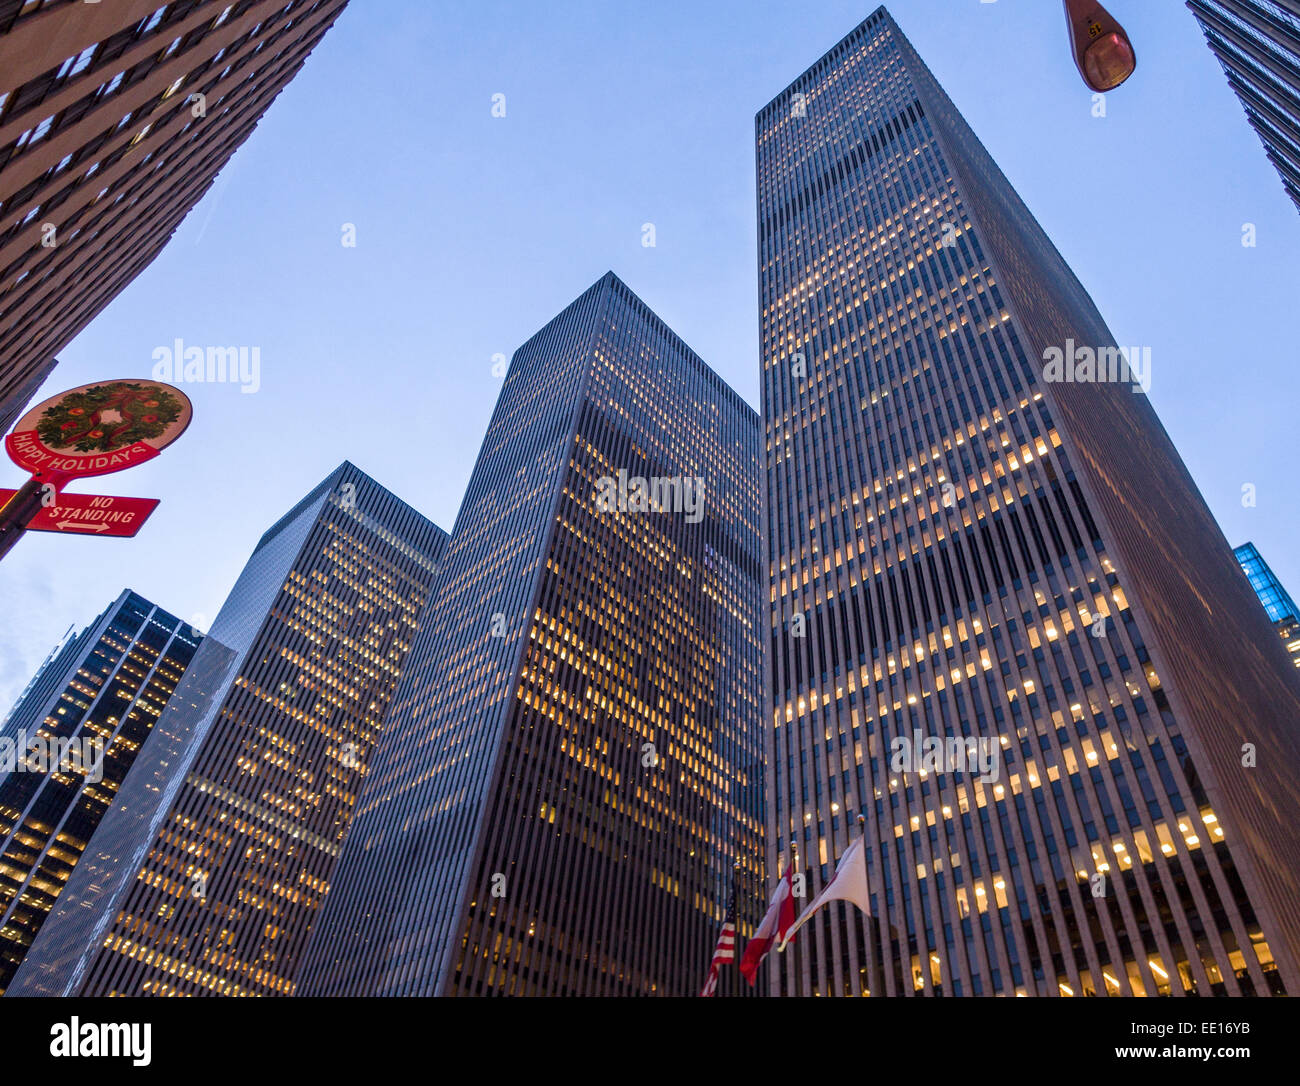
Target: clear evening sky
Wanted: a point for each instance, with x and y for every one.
(473, 231)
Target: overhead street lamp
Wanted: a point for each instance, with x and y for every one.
(1102, 49)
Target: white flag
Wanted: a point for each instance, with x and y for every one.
(849, 884)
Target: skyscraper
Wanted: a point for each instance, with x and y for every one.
(98, 698)
(1258, 44)
(47, 679)
(114, 120)
(1278, 605)
(573, 762)
(1006, 627)
(210, 868)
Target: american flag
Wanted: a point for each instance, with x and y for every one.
(725, 951)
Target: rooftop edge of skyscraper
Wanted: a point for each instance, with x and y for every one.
(326, 484)
(614, 281)
(881, 14)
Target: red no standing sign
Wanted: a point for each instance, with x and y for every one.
(90, 514)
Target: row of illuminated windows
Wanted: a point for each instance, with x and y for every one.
(815, 570)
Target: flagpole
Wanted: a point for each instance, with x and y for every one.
(866, 928)
(735, 904)
(794, 864)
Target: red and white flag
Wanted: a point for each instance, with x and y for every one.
(725, 951)
(849, 884)
(776, 925)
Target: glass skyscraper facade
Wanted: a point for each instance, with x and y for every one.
(1276, 600)
(963, 548)
(209, 872)
(47, 680)
(1258, 44)
(108, 686)
(1278, 605)
(573, 765)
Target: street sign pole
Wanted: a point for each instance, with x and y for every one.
(19, 511)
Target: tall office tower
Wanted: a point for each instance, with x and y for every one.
(1016, 567)
(114, 120)
(573, 765)
(1278, 605)
(1258, 44)
(209, 870)
(75, 735)
(46, 681)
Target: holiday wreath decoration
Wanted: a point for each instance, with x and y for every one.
(104, 418)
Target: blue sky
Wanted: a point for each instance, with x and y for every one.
(474, 230)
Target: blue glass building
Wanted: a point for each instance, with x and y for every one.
(1279, 606)
(1268, 588)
